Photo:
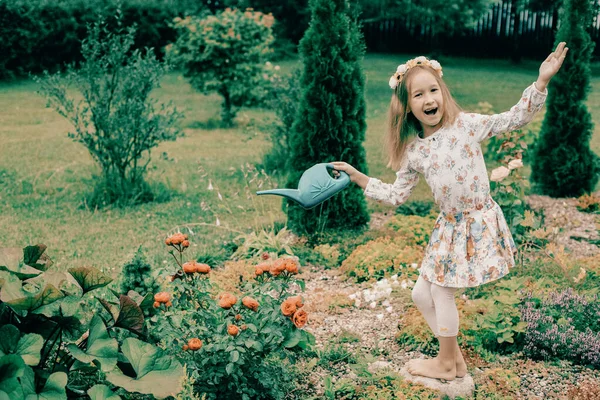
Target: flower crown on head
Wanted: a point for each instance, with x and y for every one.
(404, 68)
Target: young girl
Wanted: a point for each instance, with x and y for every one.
(471, 243)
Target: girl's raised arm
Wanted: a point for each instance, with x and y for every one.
(481, 127)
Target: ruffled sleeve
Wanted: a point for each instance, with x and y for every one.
(398, 192)
(486, 126)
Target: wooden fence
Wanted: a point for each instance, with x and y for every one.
(500, 33)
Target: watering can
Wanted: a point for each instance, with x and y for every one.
(315, 186)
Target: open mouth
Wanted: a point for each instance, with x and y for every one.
(431, 111)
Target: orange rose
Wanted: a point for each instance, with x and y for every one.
(162, 297)
(202, 268)
(185, 243)
(238, 317)
(291, 266)
(156, 304)
(300, 317)
(185, 347)
(233, 330)
(189, 267)
(278, 267)
(288, 307)
(168, 241)
(250, 303)
(258, 270)
(194, 344)
(227, 300)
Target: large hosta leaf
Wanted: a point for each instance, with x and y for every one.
(100, 346)
(11, 261)
(89, 278)
(11, 368)
(156, 373)
(32, 302)
(54, 388)
(35, 257)
(131, 316)
(102, 392)
(27, 346)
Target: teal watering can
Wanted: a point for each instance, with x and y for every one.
(315, 186)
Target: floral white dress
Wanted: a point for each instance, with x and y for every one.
(471, 243)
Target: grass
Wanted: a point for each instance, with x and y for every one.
(45, 176)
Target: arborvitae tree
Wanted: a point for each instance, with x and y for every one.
(330, 123)
(137, 276)
(563, 164)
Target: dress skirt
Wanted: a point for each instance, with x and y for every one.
(469, 248)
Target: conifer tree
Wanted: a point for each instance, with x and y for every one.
(330, 122)
(563, 164)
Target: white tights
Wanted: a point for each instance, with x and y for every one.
(437, 305)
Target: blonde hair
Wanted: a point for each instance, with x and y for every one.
(402, 125)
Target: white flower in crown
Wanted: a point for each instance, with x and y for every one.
(394, 81)
(401, 69)
(421, 59)
(435, 65)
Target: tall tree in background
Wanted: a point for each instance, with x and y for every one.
(330, 123)
(563, 163)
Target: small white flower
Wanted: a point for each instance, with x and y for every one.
(421, 59)
(389, 309)
(210, 186)
(220, 197)
(499, 174)
(393, 82)
(373, 304)
(514, 164)
(277, 68)
(352, 296)
(395, 277)
(435, 65)
(404, 284)
(218, 223)
(401, 69)
(268, 63)
(380, 316)
(414, 265)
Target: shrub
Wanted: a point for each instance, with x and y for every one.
(381, 257)
(416, 207)
(497, 384)
(563, 163)
(563, 326)
(226, 53)
(52, 333)
(330, 123)
(116, 120)
(496, 324)
(233, 346)
(415, 230)
(136, 275)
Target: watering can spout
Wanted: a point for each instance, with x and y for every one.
(315, 186)
(292, 194)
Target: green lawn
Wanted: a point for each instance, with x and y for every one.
(44, 175)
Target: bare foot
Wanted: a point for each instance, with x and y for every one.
(461, 366)
(433, 368)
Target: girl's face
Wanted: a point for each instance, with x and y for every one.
(425, 100)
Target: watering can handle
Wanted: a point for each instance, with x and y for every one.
(343, 174)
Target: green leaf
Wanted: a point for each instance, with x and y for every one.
(293, 339)
(89, 278)
(11, 368)
(102, 392)
(31, 303)
(156, 373)
(234, 356)
(54, 388)
(131, 316)
(229, 368)
(35, 257)
(100, 346)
